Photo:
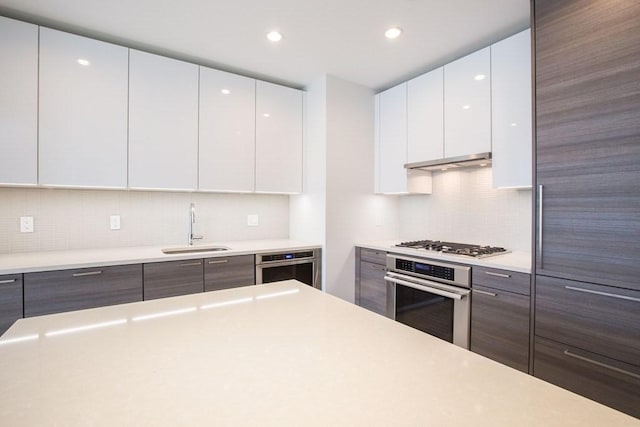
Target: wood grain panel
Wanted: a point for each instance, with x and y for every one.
(510, 281)
(229, 272)
(173, 278)
(500, 326)
(66, 290)
(588, 139)
(373, 256)
(590, 317)
(10, 300)
(608, 381)
(373, 288)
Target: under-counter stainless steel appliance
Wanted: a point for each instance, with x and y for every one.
(303, 266)
(450, 248)
(434, 297)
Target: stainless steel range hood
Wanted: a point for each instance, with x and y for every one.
(481, 159)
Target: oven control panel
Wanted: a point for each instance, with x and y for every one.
(426, 269)
(287, 256)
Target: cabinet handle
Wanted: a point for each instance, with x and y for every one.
(489, 273)
(602, 365)
(4, 282)
(604, 294)
(478, 291)
(540, 211)
(88, 273)
(222, 261)
(189, 264)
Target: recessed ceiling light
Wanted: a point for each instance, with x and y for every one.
(483, 164)
(267, 115)
(274, 36)
(480, 77)
(393, 33)
(83, 62)
(466, 107)
(514, 124)
(225, 91)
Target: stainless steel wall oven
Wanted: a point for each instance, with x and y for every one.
(433, 297)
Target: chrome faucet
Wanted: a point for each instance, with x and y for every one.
(192, 220)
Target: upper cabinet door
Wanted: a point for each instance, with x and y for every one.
(163, 122)
(83, 111)
(227, 131)
(392, 148)
(278, 138)
(18, 102)
(511, 111)
(467, 105)
(425, 117)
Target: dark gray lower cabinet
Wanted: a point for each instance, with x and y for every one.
(500, 313)
(609, 381)
(500, 326)
(10, 300)
(173, 278)
(371, 288)
(66, 290)
(229, 272)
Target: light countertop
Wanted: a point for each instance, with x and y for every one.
(86, 258)
(513, 261)
(281, 354)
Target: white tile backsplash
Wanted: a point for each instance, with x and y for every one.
(465, 208)
(76, 219)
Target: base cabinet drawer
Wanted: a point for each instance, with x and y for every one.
(173, 278)
(500, 326)
(601, 319)
(373, 256)
(229, 272)
(10, 300)
(604, 380)
(66, 290)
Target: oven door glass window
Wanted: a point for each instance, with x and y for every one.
(301, 272)
(425, 311)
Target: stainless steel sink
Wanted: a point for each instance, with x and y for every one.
(194, 249)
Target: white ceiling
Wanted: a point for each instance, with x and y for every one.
(339, 37)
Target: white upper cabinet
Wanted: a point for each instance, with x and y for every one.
(227, 131)
(467, 105)
(18, 102)
(392, 140)
(83, 111)
(425, 117)
(278, 138)
(511, 105)
(163, 122)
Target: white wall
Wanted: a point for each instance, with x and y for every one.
(339, 207)
(464, 208)
(76, 219)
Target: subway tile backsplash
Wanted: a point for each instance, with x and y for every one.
(465, 208)
(76, 219)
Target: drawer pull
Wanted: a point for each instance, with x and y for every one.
(190, 264)
(489, 273)
(88, 273)
(604, 294)
(602, 365)
(4, 282)
(491, 294)
(221, 261)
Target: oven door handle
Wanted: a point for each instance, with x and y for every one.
(421, 287)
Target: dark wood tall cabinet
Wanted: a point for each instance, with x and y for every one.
(587, 177)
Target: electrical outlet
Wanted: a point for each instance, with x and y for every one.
(252, 220)
(114, 222)
(26, 224)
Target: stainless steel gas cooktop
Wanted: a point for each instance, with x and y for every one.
(464, 249)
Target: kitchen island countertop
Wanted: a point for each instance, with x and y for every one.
(280, 354)
(29, 262)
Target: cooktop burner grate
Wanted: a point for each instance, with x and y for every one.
(465, 249)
